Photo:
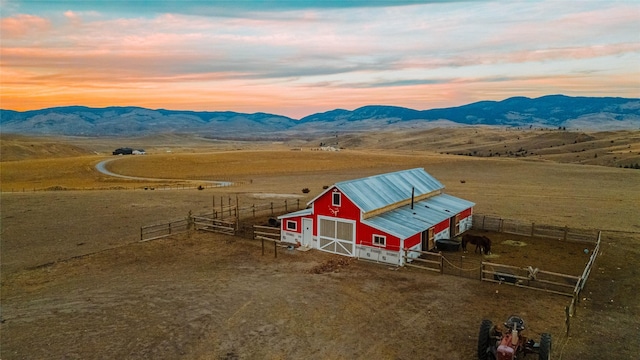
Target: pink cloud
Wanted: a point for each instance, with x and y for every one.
(23, 25)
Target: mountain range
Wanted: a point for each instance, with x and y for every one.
(552, 111)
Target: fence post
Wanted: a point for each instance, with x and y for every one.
(298, 205)
(567, 322)
(501, 225)
(169, 228)
(533, 228)
(253, 209)
(483, 217)
(140, 233)
(272, 208)
(285, 206)
(481, 269)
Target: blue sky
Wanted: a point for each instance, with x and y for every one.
(299, 57)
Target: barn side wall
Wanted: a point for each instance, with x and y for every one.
(291, 236)
(466, 220)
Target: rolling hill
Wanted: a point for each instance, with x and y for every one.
(553, 111)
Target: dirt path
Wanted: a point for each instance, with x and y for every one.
(102, 168)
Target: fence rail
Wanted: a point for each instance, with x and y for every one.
(267, 233)
(224, 212)
(214, 225)
(158, 231)
(570, 310)
(536, 279)
(518, 227)
(429, 261)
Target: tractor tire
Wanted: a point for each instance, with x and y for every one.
(484, 340)
(545, 347)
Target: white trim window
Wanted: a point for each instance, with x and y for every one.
(292, 225)
(336, 198)
(379, 240)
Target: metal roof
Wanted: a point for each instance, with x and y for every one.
(378, 191)
(302, 212)
(404, 222)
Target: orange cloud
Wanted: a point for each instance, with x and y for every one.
(23, 25)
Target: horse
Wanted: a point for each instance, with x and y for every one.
(481, 242)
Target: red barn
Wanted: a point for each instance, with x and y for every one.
(375, 217)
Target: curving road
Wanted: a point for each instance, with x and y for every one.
(101, 167)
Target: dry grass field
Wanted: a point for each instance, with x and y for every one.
(77, 284)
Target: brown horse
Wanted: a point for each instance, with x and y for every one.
(481, 242)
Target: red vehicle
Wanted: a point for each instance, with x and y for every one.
(510, 344)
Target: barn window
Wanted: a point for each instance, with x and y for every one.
(292, 225)
(335, 199)
(379, 240)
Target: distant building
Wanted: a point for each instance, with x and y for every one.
(128, 151)
(377, 217)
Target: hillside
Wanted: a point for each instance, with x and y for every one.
(554, 111)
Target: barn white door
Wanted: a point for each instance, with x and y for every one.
(307, 232)
(336, 235)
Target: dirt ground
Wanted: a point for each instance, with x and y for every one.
(77, 284)
(216, 297)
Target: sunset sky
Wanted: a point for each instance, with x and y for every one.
(296, 58)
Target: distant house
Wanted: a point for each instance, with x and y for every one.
(377, 217)
(128, 151)
(123, 151)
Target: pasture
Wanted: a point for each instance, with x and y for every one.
(77, 284)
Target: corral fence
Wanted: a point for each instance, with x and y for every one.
(562, 284)
(531, 229)
(210, 223)
(158, 231)
(570, 310)
(426, 260)
(267, 233)
(462, 266)
(227, 217)
(531, 278)
(523, 277)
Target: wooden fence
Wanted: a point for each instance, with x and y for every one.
(536, 279)
(158, 231)
(271, 208)
(267, 233)
(224, 213)
(226, 208)
(531, 229)
(570, 310)
(530, 278)
(214, 225)
(427, 260)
